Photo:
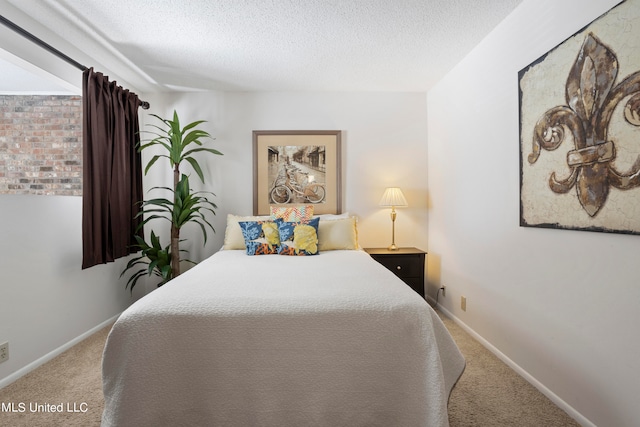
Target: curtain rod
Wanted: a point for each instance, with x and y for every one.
(24, 33)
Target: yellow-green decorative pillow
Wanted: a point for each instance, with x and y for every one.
(298, 238)
(338, 234)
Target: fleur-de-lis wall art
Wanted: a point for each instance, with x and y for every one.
(592, 96)
(580, 129)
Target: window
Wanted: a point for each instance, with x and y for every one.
(41, 144)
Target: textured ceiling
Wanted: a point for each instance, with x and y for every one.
(268, 45)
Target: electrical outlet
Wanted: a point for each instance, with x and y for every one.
(4, 351)
(463, 303)
(444, 290)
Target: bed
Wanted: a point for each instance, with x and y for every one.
(333, 339)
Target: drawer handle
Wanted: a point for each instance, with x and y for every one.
(398, 268)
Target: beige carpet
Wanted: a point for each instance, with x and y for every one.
(488, 394)
(74, 377)
(491, 394)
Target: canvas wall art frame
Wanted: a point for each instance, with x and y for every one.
(580, 129)
(297, 167)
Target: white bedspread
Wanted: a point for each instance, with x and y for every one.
(329, 340)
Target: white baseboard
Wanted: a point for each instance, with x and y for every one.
(47, 357)
(582, 420)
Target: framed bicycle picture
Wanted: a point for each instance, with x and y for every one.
(293, 168)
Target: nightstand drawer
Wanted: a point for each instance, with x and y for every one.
(402, 266)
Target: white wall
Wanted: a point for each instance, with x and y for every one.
(46, 301)
(383, 144)
(562, 305)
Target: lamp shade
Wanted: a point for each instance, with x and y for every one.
(393, 197)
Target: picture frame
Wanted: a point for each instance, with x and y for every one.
(579, 127)
(297, 167)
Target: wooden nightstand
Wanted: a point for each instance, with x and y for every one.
(406, 263)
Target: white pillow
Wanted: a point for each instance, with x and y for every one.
(233, 238)
(337, 234)
(332, 216)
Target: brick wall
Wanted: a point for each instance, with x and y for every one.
(41, 145)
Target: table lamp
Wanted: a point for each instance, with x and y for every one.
(393, 198)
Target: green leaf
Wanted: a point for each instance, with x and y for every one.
(151, 162)
(204, 230)
(166, 273)
(133, 280)
(196, 150)
(196, 167)
(152, 265)
(176, 121)
(193, 124)
(194, 137)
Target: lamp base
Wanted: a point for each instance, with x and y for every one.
(393, 246)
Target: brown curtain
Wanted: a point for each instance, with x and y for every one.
(112, 170)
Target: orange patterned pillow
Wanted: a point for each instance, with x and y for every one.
(301, 213)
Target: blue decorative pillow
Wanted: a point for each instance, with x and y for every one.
(260, 237)
(298, 238)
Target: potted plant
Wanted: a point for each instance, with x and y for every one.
(181, 207)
